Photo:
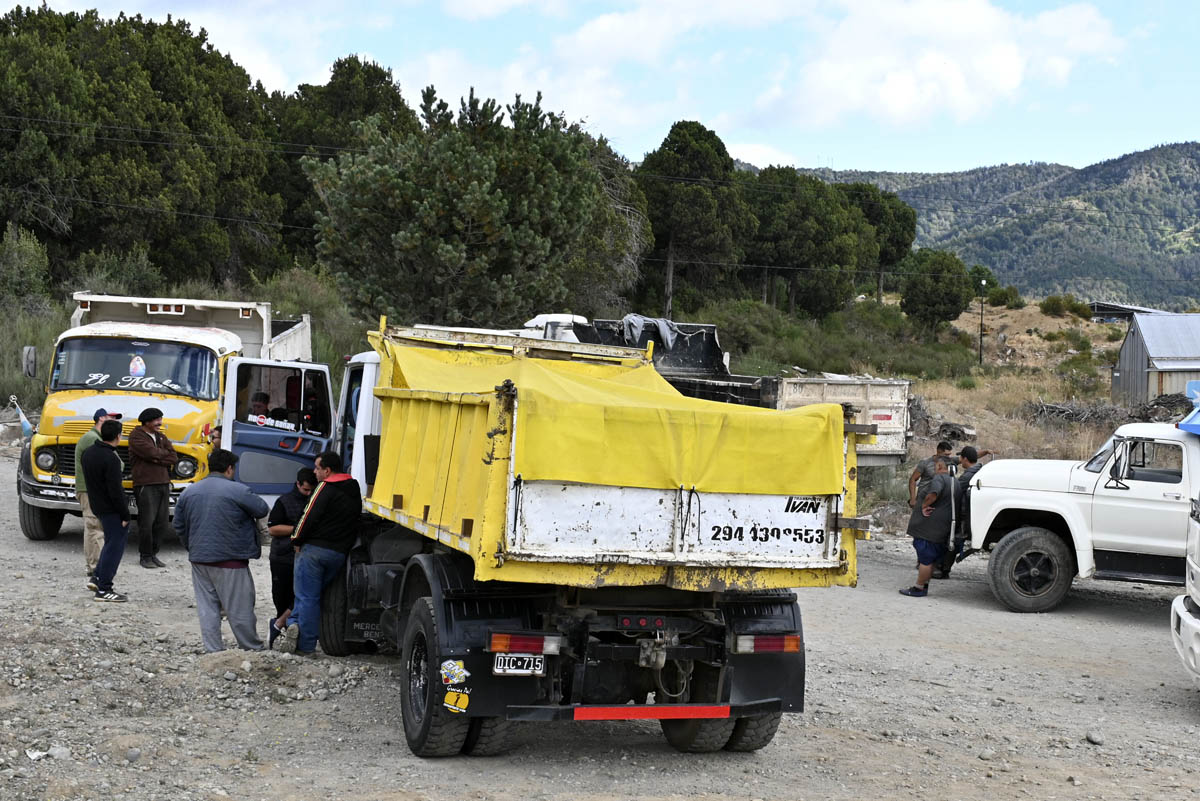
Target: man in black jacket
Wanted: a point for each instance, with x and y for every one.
(324, 536)
(102, 471)
(281, 524)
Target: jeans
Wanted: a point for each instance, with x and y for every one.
(315, 568)
(154, 516)
(111, 553)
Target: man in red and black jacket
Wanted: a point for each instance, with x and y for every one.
(322, 538)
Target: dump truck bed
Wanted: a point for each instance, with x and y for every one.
(579, 465)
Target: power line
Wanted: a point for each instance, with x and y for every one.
(302, 148)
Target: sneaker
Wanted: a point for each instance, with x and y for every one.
(147, 562)
(915, 591)
(941, 574)
(288, 639)
(306, 653)
(112, 596)
(92, 583)
(273, 633)
(158, 562)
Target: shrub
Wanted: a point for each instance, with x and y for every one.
(966, 382)
(997, 296)
(1114, 334)
(1053, 306)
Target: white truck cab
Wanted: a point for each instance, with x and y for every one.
(1185, 610)
(1121, 515)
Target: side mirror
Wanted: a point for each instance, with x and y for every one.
(29, 361)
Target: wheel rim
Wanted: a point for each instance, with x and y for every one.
(418, 677)
(1034, 573)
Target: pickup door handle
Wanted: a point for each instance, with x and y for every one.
(1173, 495)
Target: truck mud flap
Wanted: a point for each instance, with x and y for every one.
(644, 711)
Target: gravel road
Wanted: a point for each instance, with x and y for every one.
(946, 697)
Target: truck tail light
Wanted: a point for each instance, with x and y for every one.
(767, 644)
(525, 643)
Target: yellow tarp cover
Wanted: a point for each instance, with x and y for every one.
(621, 425)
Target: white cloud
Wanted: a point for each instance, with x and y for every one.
(489, 9)
(908, 61)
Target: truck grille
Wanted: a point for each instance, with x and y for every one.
(66, 460)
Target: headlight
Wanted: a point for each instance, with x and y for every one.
(46, 459)
(185, 467)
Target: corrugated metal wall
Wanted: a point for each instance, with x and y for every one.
(1130, 383)
(1164, 382)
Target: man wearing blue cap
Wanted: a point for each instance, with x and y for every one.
(93, 532)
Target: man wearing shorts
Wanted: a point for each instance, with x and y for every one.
(929, 526)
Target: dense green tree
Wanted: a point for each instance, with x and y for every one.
(983, 280)
(24, 268)
(809, 234)
(698, 216)
(125, 132)
(470, 220)
(936, 287)
(895, 224)
(318, 121)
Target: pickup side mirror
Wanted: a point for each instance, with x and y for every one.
(29, 361)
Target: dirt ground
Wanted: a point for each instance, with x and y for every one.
(947, 697)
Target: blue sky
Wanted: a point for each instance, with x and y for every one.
(903, 85)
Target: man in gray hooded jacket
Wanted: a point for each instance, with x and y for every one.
(215, 520)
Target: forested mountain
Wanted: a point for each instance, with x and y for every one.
(1123, 229)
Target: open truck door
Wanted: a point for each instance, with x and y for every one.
(277, 417)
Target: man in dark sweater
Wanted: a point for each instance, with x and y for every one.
(102, 472)
(324, 536)
(215, 519)
(151, 458)
(281, 524)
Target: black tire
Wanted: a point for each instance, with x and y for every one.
(38, 523)
(700, 736)
(430, 729)
(333, 618)
(488, 737)
(753, 733)
(1031, 570)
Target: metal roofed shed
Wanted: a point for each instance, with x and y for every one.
(1103, 311)
(1160, 354)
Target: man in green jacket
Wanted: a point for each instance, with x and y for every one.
(93, 532)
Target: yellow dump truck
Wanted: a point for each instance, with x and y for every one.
(200, 362)
(554, 532)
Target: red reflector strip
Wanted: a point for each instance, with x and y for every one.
(881, 417)
(652, 712)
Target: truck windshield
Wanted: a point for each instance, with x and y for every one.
(1096, 463)
(129, 364)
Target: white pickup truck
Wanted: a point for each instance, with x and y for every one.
(1121, 515)
(1185, 610)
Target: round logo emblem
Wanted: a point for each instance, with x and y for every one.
(262, 420)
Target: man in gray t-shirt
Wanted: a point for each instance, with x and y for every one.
(922, 474)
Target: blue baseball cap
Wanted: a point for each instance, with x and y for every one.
(105, 413)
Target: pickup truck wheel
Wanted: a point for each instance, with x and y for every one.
(700, 736)
(753, 733)
(430, 728)
(38, 523)
(1031, 570)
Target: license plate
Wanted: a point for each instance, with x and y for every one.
(519, 665)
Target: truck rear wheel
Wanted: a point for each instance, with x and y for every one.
(38, 523)
(700, 736)
(1031, 570)
(488, 737)
(430, 728)
(333, 618)
(753, 733)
